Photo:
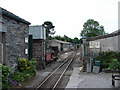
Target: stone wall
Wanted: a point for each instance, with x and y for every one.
(38, 49)
(39, 52)
(15, 40)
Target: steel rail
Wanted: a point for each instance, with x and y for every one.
(53, 72)
(72, 58)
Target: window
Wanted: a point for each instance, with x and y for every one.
(26, 40)
(26, 51)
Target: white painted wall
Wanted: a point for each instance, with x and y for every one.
(108, 44)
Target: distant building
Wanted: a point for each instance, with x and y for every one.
(62, 46)
(13, 37)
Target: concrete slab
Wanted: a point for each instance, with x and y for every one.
(74, 79)
(89, 80)
(95, 81)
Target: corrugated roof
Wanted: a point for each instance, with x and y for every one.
(60, 41)
(38, 32)
(13, 16)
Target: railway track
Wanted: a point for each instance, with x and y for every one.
(52, 81)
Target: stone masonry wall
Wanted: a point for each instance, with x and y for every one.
(15, 40)
(39, 52)
(38, 49)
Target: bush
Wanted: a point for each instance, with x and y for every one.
(22, 64)
(5, 73)
(109, 59)
(114, 65)
(32, 66)
(26, 69)
(17, 76)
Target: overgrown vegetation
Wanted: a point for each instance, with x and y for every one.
(5, 73)
(25, 70)
(109, 60)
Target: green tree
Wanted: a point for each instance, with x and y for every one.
(67, 39)
(75, 40)
(49, 28)
(92, 28)
(58, 38)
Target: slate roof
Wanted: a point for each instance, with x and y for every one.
(115, 33)
(13, 16)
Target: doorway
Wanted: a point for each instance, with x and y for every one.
(2, 47)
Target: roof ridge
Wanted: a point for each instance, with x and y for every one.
(13, 16)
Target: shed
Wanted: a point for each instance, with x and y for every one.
(62, 45)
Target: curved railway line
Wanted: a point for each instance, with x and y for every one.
(52, 81)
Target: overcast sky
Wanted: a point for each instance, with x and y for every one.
(68, 16)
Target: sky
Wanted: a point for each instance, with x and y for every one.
(68, 16)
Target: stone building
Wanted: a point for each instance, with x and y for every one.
(37, 44)
(14, 33)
